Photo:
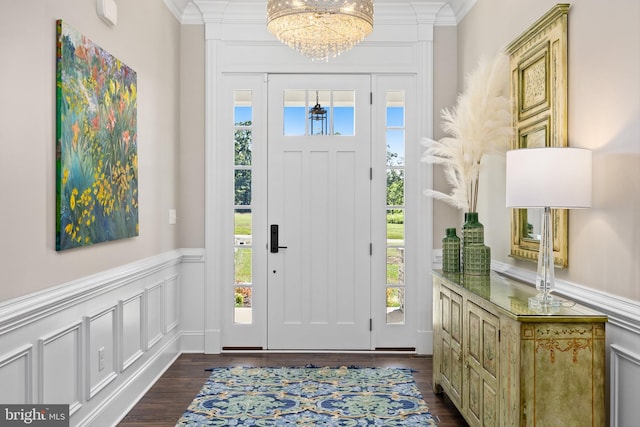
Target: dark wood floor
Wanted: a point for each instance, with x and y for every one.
(173, 392)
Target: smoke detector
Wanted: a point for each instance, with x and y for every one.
(108, 11)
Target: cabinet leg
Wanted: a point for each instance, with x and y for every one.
(437, 389)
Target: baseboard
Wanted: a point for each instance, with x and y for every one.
(425, 342)
(192, 342)
(212, 341)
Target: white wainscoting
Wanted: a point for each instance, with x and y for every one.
(101, 348)
(623, 342)
(154, 308)
(132, 330)
(625, 368)
(99, 343)
(60, 365)
(16, 368)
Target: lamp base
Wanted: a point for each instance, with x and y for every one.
(545, 304)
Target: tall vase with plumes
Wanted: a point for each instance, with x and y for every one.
(476, 256)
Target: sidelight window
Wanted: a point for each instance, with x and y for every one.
(395, 141)
(243, 246)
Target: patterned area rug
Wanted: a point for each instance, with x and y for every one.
(308, 396)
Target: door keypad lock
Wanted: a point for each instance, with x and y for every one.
(274, 249)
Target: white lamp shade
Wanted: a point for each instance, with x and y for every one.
(548, 177)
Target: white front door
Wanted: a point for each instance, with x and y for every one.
(319, 199)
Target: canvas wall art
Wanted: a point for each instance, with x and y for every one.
(96, 143)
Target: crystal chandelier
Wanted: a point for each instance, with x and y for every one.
(320, 29)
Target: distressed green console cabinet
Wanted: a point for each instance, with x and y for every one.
(504, 365)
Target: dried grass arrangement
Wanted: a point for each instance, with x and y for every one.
(479, 124)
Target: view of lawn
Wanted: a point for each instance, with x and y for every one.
(243, 265)
(243, 224)
(395, 231)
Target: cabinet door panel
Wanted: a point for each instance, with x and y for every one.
(474, 393)
(456, 318)
(456, 346)
(566, 364)
(473, 342)
(481, 352)
(445, 310)
(490, 347)
(489, 406)
(451, 343)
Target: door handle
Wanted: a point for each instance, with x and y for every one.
(274, 239)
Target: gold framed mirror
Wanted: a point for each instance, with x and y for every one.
(538, 61)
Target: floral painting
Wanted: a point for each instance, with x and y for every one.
(96, 143)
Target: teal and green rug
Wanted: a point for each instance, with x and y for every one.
(310, 396)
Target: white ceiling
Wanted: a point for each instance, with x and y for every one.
(445, 12)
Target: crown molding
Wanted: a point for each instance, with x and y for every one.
(433, 12)
(176, 7)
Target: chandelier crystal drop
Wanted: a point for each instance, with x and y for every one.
(320, 29)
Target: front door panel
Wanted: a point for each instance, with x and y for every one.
(319, 197)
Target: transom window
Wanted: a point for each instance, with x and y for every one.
(319, 112)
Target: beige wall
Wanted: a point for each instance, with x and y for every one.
(445, 66)
(192, 125)
(604, 116)
(146, 39)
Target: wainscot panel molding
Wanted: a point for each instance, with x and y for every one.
(154, 309)
(100, 342)
(172, 303)
(60, 367)
(132, 331)
(17, 368)
(625, 366)
(623, 341)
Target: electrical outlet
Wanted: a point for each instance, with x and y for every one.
(100, 359)
(172, 216)
(437, 256)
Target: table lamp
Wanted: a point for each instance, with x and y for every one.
(548, 178)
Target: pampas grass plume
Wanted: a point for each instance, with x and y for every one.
(479, 124)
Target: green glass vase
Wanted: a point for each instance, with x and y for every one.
(476, 256)
(451, 252)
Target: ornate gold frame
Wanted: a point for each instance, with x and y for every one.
(538, 60)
